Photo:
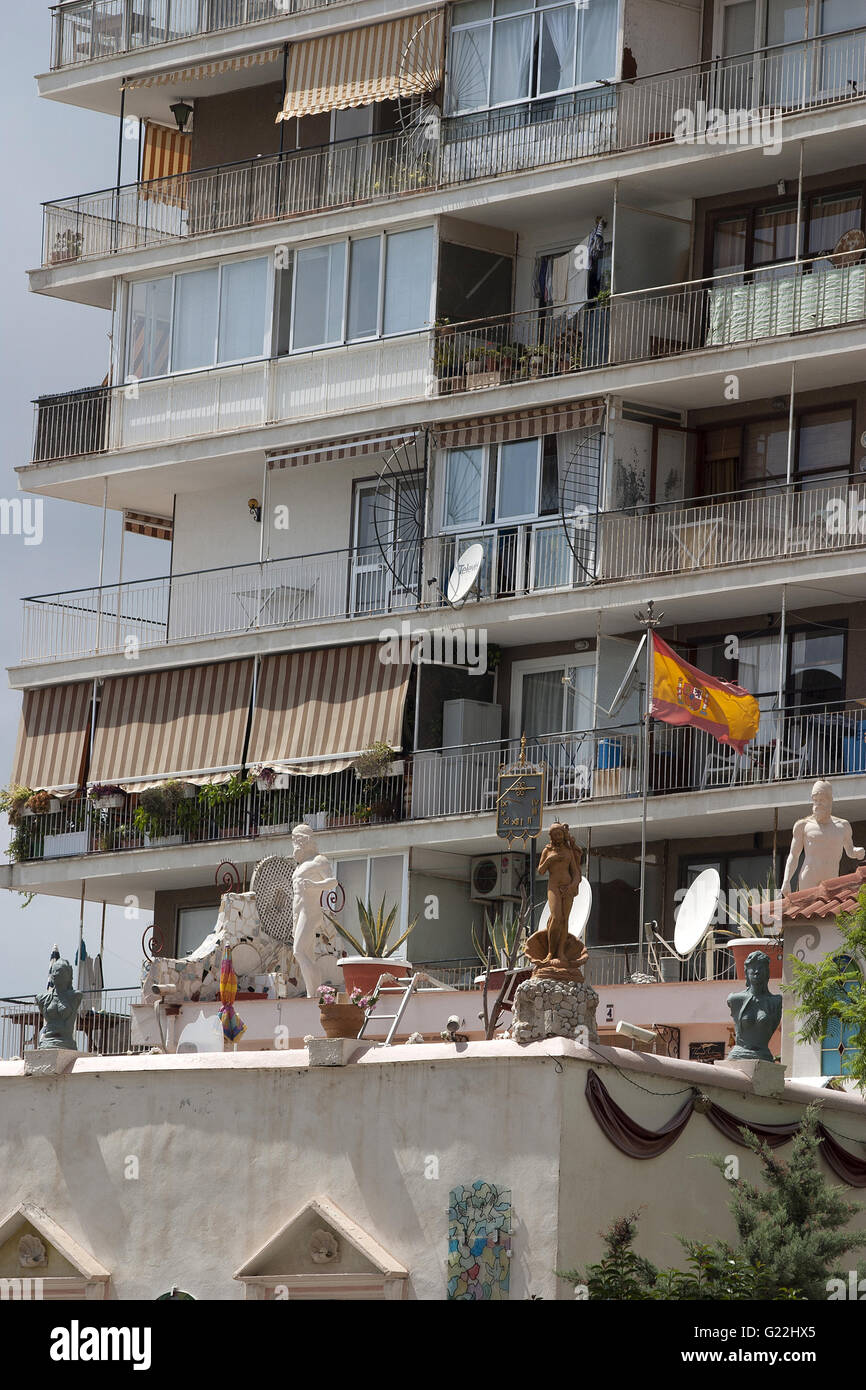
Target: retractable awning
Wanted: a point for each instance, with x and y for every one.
(336, 450)
(53, 737)
(200, 71)
(400, 58)
(317, 710)
(188, 724)
(520, 424)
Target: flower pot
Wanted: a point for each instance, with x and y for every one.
(362, 972)
(316, 820)
(743, 946)
(109, 803)
(477, 381)
(281, 828)
(70, 842)
(341, 1020)
(160, 841)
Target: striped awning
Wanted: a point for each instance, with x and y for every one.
(350, 447)
(204, 70)
(403, 57)
(141, 524)
(520, 424)
(53, 737)
(317, 710)
(188, 723)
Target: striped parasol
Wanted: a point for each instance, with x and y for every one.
(233, 1028)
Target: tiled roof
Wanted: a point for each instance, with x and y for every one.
(827, 899)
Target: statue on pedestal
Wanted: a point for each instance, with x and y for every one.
(555, 953)
(59, 1007)
(315, 940)
(821, 838)
(756, 1012)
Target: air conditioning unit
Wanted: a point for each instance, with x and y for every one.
(496, 876)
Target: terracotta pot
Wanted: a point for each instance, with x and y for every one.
(362, 972)
(743, 946)
(495, 985)
(341, 1020)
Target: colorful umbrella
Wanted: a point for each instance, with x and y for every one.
(233, 1028)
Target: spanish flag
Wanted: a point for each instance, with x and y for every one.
(684, 695)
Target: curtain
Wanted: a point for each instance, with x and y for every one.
(758, 672)
(597, 47)
(557, 34)
(542, 702)
(468, 72)
(512, 54)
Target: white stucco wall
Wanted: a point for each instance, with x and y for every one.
(230, 1148)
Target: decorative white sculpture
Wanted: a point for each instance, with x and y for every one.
(822, 839)
(315, 940)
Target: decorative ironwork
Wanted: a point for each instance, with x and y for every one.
(230, 880)
(152, 943)
(669, 1038)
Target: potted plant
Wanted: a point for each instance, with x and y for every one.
(39, 804)
(748, 936)
(106, 797)
(376, 763)
(341, 1014)
(483, 366)
(155, 816)
(505, 939)
(13, 801)
(67, 247)
(374, 946)
(220, 800)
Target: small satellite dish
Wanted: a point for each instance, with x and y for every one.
(697, 910)
(630, 676)
(464, 575)
(848, 249)
(580, 910)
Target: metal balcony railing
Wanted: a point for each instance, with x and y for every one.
(755, 91)
(595, 764)
(531, 557)
(620, 964)
(103, 1025)
(85, 30)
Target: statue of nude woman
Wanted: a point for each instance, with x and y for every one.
(552, 949)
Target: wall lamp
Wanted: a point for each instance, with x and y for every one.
(181, 110)
(255, 507)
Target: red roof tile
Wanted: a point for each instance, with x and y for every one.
(827, 899)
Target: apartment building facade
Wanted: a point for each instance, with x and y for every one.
(577, 288)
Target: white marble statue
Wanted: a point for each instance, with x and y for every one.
(822, 839)
(315, 940)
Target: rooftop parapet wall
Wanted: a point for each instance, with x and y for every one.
(386, 1139)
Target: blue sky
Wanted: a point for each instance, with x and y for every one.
(51, 150)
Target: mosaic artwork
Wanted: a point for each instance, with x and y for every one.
(479, 1241)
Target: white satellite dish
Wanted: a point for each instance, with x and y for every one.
(696, 913)
(464, 575)
(580, 910)
(627, 680)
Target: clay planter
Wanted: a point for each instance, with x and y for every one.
(362, 972)
(743, 946)
(341, 1020)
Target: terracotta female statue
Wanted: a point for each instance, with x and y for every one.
(552, 949)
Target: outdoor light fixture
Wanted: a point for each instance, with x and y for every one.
(781, 188)
(255, 507)
(181, 110)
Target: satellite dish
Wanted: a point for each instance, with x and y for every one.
(579, 503)
(464, 575)
(580, 910)
(696, 913)
(398, 519)
(627, 680)
(272, 884)
(848, 249)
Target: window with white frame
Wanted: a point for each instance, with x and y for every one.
(199, 318)
(502, 484)
(373, 879)
(552, 695)
(503, 51)
(351, 290)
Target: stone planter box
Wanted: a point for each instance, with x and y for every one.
(281, 828)
(161, 841)
(109, 803)
(71, 842)
(476, 381)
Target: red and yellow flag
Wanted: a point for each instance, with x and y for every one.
(684, 695)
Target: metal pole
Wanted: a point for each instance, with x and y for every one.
(532, 861)
(649, 620)
(780, 689)
(101, 563)
(119, 164)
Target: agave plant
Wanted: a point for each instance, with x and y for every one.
(505, 937)
(761, 900)
(376, 928)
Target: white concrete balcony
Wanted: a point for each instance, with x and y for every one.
(547, 556)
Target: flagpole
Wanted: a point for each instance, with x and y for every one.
(649, 621)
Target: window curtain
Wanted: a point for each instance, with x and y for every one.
(758, 672)
(542, 703)
(512, 56)
(558, 32)
(468, 69)
(597, 50)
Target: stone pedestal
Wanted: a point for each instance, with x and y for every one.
(767, 1078)
(545, 1008)
(48, 1061)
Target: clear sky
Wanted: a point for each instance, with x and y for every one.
(51, 150)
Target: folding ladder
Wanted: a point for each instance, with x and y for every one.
(406, 990)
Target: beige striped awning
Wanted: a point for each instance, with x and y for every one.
(188, 723)
(317, 710)
(400, 58)
(142, 524)
(520, 424)
(203, 70)
(53, 737)
(350, 447)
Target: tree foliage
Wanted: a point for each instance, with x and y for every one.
(833, 989)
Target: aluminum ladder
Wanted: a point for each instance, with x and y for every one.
(406, 990)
